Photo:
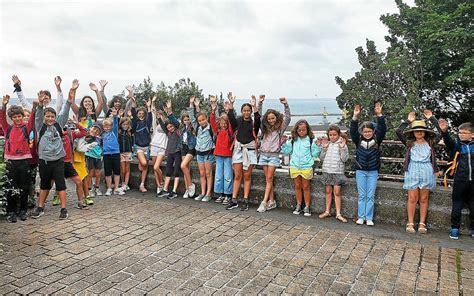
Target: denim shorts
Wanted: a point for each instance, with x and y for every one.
(269, 160)
(206, 158)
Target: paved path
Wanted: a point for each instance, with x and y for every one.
(140, 244)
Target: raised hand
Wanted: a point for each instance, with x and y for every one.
(443, 124)
(261, 98)
(196, 102)
(284, 101)
(318, 141)
(325, 143)
(75, 84)
(356, 111)
(169, 109)
(93, 87)
(411, 116)
(160, 114)
(6, 99)
(342, 143)
(114, 112)
(154, 98)
(120, 113)
(378, 108)
(148, 104)
(226, 106)
(253, 101)
(57, 82)
(191, 101)
(35, 104)
(428, 114)
(213, 101)
(16, 80)
(41, 96)
(130, 90)
(103, 83)
(231, 98)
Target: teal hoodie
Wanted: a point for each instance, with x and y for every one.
(302, 157)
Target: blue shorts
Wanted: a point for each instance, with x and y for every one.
(206, 158)
(269, 160)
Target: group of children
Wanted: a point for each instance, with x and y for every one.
(80, 148)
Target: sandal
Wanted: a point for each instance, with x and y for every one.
(422, 228)
(410, 228)
(341, 218)
(324, 215)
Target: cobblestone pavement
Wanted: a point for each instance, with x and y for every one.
(138, 244)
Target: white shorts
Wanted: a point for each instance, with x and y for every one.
(237, 156)
(155, 151)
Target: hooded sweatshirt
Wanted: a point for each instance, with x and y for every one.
(303, 151)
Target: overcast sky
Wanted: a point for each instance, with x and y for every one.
(291, 48)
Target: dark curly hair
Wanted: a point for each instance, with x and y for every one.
(15, 110)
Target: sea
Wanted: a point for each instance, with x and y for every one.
(311, 109)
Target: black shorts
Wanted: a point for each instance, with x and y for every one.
(69, 170)
(173, 165)
(93, 163)
(111, 164)
(185, 151)
(52, 170)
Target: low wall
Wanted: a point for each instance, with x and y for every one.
(390, 199)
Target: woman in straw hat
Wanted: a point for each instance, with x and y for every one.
(420, 165)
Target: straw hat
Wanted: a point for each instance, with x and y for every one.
(419, 125)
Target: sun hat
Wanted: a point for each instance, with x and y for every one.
(419, 125)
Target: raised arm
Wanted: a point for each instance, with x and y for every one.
(191, 112)
(287, 116)
(261, 99)
(74, 107)
(60, 96)
(432, 119)
(354, 129)
(105, 106)
(403, 126)
(100, 101)
(231, 114)
(21, 97)
(450, 144)
(39, 113)
(214, 124)
(3, 114)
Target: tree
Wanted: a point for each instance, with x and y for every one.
(429, 63)
(389, 78)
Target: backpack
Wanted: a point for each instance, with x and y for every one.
(44, 127)
(211, 132)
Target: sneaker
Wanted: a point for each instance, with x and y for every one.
(98, 192)
(88, 200)
(192, 190)
(81, 206)
(271, 205)
(199, 197)
(92, 192)
(164, 193)
(206, 198)
(220, 199)
(262, 208)
(307, 212)
(23, 215)
(244, 206)
(226, 200)
(360, 221)
(186, 194)
(232, 205)
(297, 210)
(56, 200)
(11, 217)
(171, 195)
(454, 233)
(127, 188)
(159, 191)
(38, 213)
(108, 192)
(119, 191)
(63, 215)
(369, 223)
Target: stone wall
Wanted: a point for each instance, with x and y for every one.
(390, 200)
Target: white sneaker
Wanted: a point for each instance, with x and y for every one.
(360, 221)
(192, 190)
(262, 208)
(119, 191)
(98, 192)
(199, 197)
(92, 192)
(186, 194)
(370, 223)
(271, 205)
(108, 192)
(206, 198)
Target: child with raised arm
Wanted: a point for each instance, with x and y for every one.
(223, 153)
(367, 137)
(204, 150)
(334, 155)
(173, 154)
(47, 94)
(462, 150)
(87, 113)
(244, 156)
(116, 102)
(274, 125)
(17, 154)
(126, 142)
(141, 125)
(188, 148)
(303, 151)
(51, 153)
(158, 143)
(420, 166)
(111, 153)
